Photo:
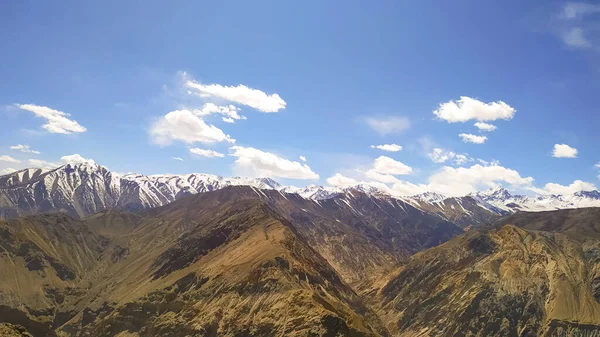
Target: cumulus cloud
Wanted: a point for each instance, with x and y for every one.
(185, 126)
(206, 153)
(7, 170)
(341, 180)
(387, 125)
(388, 147)
(576, 186)
(469, 138)
(76, 159)
(57, 121)
(405, 188)
(229, 112)
(303, 158)
(240, 94)
(256, 162)
(461, 181)
(9, 159)
(467, 108)
(387, 165)
(24, 148)
(485, 126)
(178, 158)
(564, 151)
(385, 168)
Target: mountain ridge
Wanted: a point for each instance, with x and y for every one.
(82, 189)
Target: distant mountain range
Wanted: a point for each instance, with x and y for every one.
(83, 189)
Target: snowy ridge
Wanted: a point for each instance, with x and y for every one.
(82, 189)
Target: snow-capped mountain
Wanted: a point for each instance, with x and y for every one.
(82, 189)
(503, 200)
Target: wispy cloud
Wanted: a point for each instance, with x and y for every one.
(24, 148)
(469, 138)
(240, 94)
(206, 153)
(57, 121)
(388, 147)
(388, 125)
(9, 159)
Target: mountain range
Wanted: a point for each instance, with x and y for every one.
(82, 189)
(242, 261)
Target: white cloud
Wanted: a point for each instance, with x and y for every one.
(467, 108)
(185, 126)
(387, 125)
(384, 178)
(76, 159)
(178, 158)
(38, 163)
(388, 147)
(469, 138)
(57, 121)
(229, 112)
(240, 94)
(597, 165)
(255, 162)
(9, 159)
(24, 148)
(341, 180)
(7, 170)
(303, 158)
(461, 159)
(564, 151)
(439, 155)
(573, 10)
(405, 188)
(575, 37)
(206, 153)
(461, 181)
(387, 165)
(576, 186)
(485, 126)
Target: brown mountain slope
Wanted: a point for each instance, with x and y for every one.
(214, 265)
(503, 281)
(44, 260)
(466, 212)
(362, 237)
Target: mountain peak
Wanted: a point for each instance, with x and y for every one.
(430, 197)
(497, 193)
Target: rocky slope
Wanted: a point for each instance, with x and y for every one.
(233, 262)
(530, 274)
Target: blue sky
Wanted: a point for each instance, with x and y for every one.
(119, 67)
